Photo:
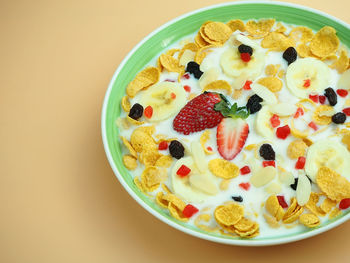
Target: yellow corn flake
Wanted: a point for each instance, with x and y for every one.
(170, 63)
(281, 73)
(150, 130)
(143, 80)
(200, 40)
(219, 85)
(236, 24)
(228, 215)
(159, 65)
(251, 147)
(331, 57)
(138, 184)
(304, 51)
(309, 220)
(301, 33)
(260, 28)
(130, 162)
(126, 106)
(293, 216)
(151, 178)
(129, 147)
(164, 161)
(297, 133)
(134, 122)
(272, 83)
(175, 206)
(237, 93)
(216, 32)
(271, 70)
(149, 157)
(224, 184)
(335, 186)
(320, 118)
(203, 139)
(223, 168)
(346, 140)
(327, 205)
(244, 225)
(172, 52)
(296, 149)
(312, 205)
(271, 221)
(342, 63)
(335, 213)
(166, 188)
(251, 232)
(202, 53)
(307, 141)
(280, 28)
(324, 42)
(276, 42)
(193, 47)
(273, 207)
(161, 201)
(141, 140)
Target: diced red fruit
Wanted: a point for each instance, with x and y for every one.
(173, 95)
(244, 186)
(186, 76)
(170, 80)
(189, 211)
(342, 92)
(245, 57)
(282, 201)
(298, 113)
(163, 145)
(183, 171)
(269, 163)
(300, 163)
(275, 121)
(187, 88)
(245, 170)
(231, 136)
(148, 112)
(344, 203)
(322, 99)
(209, 148)
(314, 98)
(283, 132)
(313, 125)
(347, 111)
(307, 83)
(247, 85)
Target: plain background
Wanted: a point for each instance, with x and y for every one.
(60, 201)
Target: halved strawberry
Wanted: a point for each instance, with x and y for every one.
(231, 136)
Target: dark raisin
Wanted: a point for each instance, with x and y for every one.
(237, 198)
(193, 68)
(294, 185)
(136, 111)
(245, 49)
(331, 96)
(290, 55)
(253, 104)
(197, 74)
(267, 152)
(176, 149)
(339, 118)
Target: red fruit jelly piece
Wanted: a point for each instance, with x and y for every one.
(186, 76)
(322, 99)
(209, 148)
(342, 92)
(300, 163)
(245, 57)
(183, 171)
(187, 88)
(275, 121)
(269, 163)
(344, 203)
(245, 170)
(347, 111)
(298, 113)
(244, 186)
(314, 98)
(148, 112)
(307, 83)
(281, 201)
(283, 132)
(313, 125)
(247, 85)
(163, 145)
(189, 211)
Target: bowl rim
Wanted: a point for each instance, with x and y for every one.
(239, 242)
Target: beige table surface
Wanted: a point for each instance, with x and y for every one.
(60, 201)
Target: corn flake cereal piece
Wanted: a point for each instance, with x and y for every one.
(236, 24)
(189, 46)
(203, 139)
(308, 141)
(122, 123)
(166, 188)
(200, 40)
(175, 207)
(126, 104)
(217, 32)
(334, 213)
(141, 140)
(320, 115)
(129, 147)
(134, 122)
(272, 206)
(327, 205)
(149, 157)
(164, 161)
(143, 79)
(251, 147)
(172, 52)
(151, 178)
(219, 85)
(237, 93)
(202, 53)
(150, 130)
(297, 133)
(335, 186)
(170, 63)
(138, 184)
(342, 63)
(272, 83)
(324, 42)
(228, 215)
(252, 232)
(276, 42)
(223, 168)
(346, 140)
(301, 33)
(293, 216)
(312, 205)
(244, 225)
(296, 149)
(260, 28)
(161, 201)
(281, 73)
(130, 162)
(191, 96)
(271, 70)
(309, 220)
(280, 28)
(224, 184)
(271, 221)
(304, 51)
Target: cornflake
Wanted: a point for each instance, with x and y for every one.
(272, 83)
(228, 214)
(325, 42)
(301, 34)
(312, 205)
(152, 177)
(309, 220)
(219, 85)
(342, 63)
(224, 169)
(296, 149)
(144, 79)
(260, 28)
(293, 212)
(141, 140)
(134, 122)
(276, 42)
(164, 161)
(323, 115)
(126, 104)
(129, 147)
(236, 24)
(346, 140)
(271, 70)
(170, 63)
(130, 162)
(273, 207)
(216, 33)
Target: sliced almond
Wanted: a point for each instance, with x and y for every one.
(263, 176)
(203, 183)
(199, 156)
(303, 190)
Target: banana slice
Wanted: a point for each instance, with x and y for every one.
(233, 66)
(268, 96)
(166, 99)
(199, 156)
(327, 153)
(283, 109)
(262, 122)
(344, 80)
(306, 76)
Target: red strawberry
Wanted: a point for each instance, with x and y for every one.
(231, 136)
(198, 114)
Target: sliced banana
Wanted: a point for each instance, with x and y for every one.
(307, 69)
(262, 122)
(268, 96)
(344, 80)
(199, 157)
(233, 66)
(166, 99)
(283, 109)
(209, 76)
(329, 153)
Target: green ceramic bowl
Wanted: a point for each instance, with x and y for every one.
(161, 39)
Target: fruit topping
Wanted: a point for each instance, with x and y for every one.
(322, 99)
(193, 68)
(245, 57)
(245, 49)
(300, 163)
(339, 118)
(176, 149)
(163, 145)
(347, 111)
(307, 83)
(253, 104)
(148, 112)
(247, 85)
(187, 88)
(298, 113)
(344, 203)
(282, 201)
(314, 98)
(189, 211)
(183, 171)
(269, 163)
(342, 92)
(290, 55)
(313, 125)
(136, 111)
(267, 152)
(331, 96)
(275, 121)
(283, 132)
(186, 76)
(237, 198)
(245, 170)
(245, 186)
